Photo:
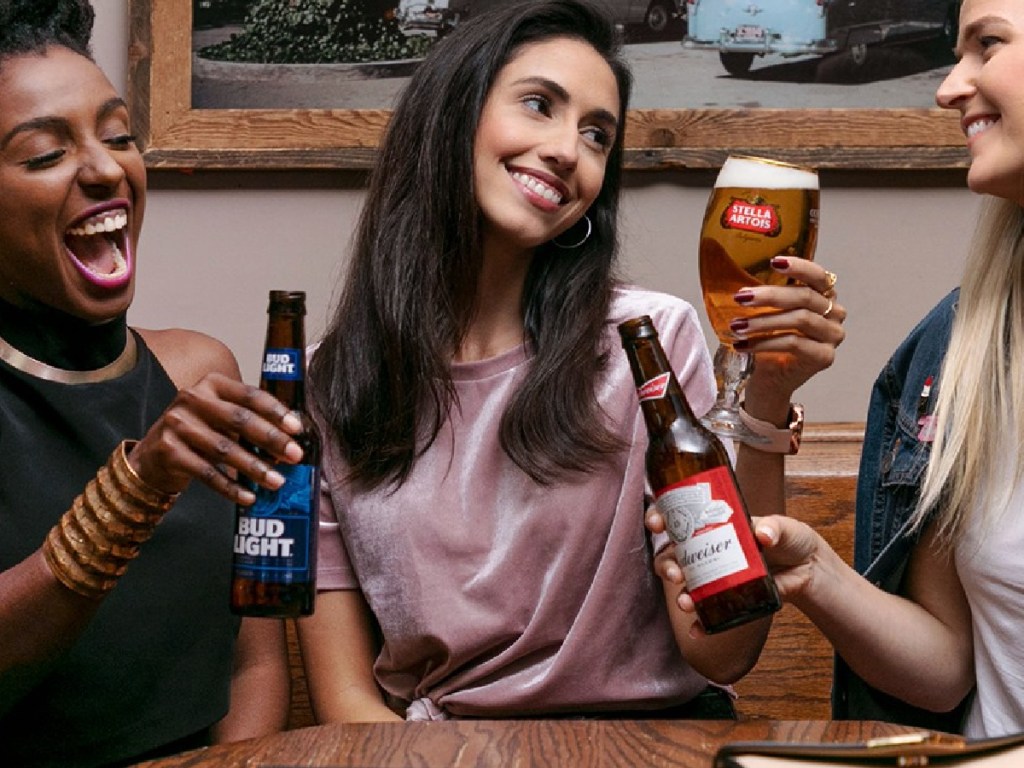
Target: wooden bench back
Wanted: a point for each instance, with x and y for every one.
(793, 677)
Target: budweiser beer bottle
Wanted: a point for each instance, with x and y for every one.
(274, 566)
(695, 490)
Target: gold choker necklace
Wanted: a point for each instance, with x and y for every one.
(18, 359)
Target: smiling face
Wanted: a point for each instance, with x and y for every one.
(72, 187)
(985, 88)
(542, 144)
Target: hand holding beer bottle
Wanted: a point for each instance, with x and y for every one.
(274, 564)
(696, 492)
(759, 209)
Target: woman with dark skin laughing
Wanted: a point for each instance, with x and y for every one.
(116, 641)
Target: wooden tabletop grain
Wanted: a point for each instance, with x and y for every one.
(516, 743)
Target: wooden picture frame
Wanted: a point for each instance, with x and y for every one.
(173, 135)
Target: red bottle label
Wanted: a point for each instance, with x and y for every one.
(714, 544)
(656, 388)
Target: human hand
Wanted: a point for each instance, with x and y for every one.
(666, 566)
(197, 437)
(798, 339)
(791, 549)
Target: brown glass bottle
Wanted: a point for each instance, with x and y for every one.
(695, 490)
(274, 563)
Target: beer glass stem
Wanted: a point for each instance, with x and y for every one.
(732, 369)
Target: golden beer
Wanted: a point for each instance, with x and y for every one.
(759, 209)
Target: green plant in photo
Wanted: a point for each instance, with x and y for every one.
(319, 32)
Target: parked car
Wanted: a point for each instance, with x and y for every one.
(437, 17)
(742, 29)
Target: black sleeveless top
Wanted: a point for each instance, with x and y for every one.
(154, 664)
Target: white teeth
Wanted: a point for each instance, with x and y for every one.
(978, 126)
(537, 187)
(110, 223)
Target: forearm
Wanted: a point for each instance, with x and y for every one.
(260, 683)
(48, 598)
(893, 643)
(259, 705)
(724, 657)
(39, 620)
(338, 650)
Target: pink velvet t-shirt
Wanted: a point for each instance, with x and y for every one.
(497, 596)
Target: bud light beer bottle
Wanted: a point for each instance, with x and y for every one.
(274, 564)
(695, 491)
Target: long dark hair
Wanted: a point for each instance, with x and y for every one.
(381, 375)
(30, 26)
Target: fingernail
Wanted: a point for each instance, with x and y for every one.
(780, 262)
(767, 533)
(293, 452)
(246, 498)
(743, 297)
(739, 326)
(274, 478)
(291, 422)
(741, 345)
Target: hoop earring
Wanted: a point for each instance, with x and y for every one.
(590, 228)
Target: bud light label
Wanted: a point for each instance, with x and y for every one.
(752, 216)
(282, 365)
(656, 388)
(272, 537)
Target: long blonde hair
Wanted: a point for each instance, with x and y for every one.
(981, 387)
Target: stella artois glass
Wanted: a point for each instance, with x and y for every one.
(758, 209)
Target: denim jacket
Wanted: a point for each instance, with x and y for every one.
(893, 459)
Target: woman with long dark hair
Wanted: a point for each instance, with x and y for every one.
(483, 550)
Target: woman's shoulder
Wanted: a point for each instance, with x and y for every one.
(188, 355)
(630, 301)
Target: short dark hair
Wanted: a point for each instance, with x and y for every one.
(31, 26)
(382, 373)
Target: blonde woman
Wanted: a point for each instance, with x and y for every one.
(946, 532)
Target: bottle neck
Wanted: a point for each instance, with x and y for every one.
(283, 373)
(661, 398)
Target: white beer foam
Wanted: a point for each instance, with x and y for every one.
(767, 174)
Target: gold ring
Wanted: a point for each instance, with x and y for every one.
(830, 285)
(828, 309)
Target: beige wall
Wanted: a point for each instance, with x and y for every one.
(214, 244)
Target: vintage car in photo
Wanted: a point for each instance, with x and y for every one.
(647, 17)
(741, 30)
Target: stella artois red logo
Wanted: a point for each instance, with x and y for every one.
(656, 388)
(752, 216)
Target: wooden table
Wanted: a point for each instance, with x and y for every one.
(516, 743)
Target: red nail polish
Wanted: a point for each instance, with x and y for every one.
(743, 297)
(739, 325)
(780, 262)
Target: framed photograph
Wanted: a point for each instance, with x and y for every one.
(174, 133)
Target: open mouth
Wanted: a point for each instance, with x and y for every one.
(99, 248)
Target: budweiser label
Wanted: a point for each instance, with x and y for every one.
(656, 388)
(752, 216)
(714, 544)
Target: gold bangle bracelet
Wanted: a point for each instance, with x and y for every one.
(69, 573)
(91, 545)
(129, 479)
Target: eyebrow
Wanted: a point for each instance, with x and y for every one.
(971, 30)
(56, 124)
(600, 113)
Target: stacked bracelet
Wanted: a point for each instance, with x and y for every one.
(90, 547)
